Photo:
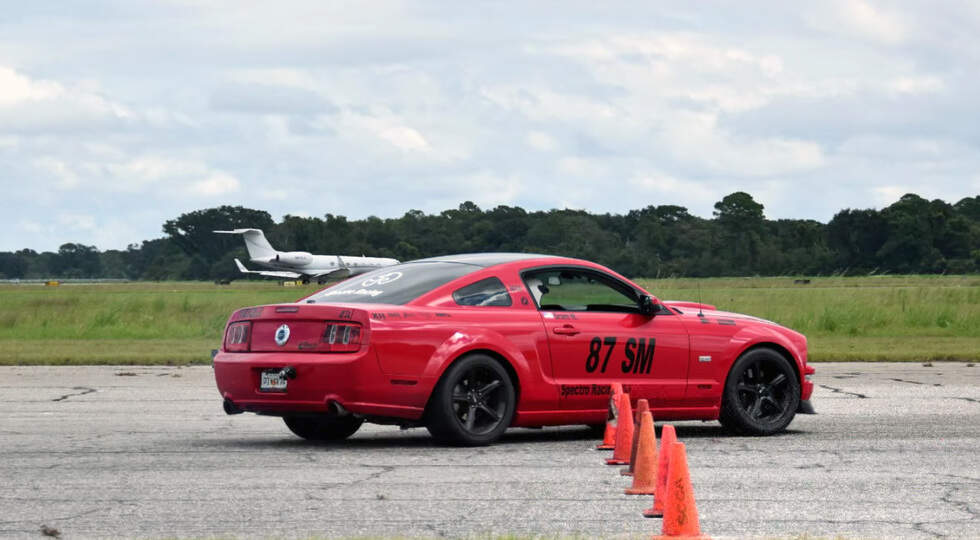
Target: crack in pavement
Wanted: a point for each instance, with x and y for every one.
(963, 506)
(905, 381)
(83, 390)
(385, 469)
(958, 477)
(971, 400)
(839, 391)
(920, 526)
(440, 533)
(913, 382)
(52, 520)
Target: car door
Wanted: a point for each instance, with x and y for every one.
(597, 336)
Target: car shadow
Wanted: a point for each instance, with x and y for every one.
(717, 431)
(395, 438)
(420, 438)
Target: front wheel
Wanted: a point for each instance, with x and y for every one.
(473, 403)
(323, 428)
(761, 394)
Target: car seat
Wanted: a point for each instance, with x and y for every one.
(537, 288)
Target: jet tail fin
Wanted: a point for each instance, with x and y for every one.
(258, 247)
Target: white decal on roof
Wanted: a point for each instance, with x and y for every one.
(383, 279)
(354, 292)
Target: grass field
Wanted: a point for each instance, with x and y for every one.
(897, 318)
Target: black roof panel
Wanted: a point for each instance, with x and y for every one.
(484, 259)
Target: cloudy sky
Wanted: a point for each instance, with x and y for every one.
(116, 116)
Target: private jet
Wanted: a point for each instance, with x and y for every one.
(301, 265)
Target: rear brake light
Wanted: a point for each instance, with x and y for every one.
(238, 336)
(341, 337)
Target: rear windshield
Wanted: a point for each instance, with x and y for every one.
(393, 284)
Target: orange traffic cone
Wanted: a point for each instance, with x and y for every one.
(609, 437)
(624, 433)
(645, 457)
(668, 436)
(642, 406)
(681, 514)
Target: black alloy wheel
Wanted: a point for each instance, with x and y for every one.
(473, 403)
(323, 428)
(761, 394)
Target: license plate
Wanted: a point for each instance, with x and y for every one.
(272, 381)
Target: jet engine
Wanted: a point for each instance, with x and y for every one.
(295, 258)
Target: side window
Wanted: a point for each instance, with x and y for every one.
(486, 292)
(578, 290)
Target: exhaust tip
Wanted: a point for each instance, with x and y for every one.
(231, 408)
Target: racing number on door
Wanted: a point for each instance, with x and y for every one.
(638, 354)
(595, 347)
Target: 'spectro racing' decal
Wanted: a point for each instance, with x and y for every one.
(638, 354)
(579, 390)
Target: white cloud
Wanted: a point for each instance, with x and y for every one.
(578, 166)
(696, 138)
(886, 195)
(77, 222)
(544, 104)
(927, 84)
(16, 88)
(40, 106)
(67, 178)
(218, 183)
(485, 188)
(275, 195)
(30, 226)
(357, 111)
(404, 137)
(162, 176)
(669, 188)
(863, 19)
(540, 140)
(392, 130)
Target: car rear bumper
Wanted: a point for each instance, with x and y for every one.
(322, 381)
(807, 388)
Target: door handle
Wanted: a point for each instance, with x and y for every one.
(566, 330)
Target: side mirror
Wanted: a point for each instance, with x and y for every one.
(647, 307)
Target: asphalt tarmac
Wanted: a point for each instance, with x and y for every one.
(147, 452)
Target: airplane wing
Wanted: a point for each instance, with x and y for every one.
(339, 273)
(270, 273)
(236, 231)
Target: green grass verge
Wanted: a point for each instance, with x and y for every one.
(877, 318)
(68, 352)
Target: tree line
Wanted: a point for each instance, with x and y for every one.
(913, 235)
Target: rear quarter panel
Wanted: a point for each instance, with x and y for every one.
(419, 344)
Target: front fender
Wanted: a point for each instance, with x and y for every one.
(791, 342)
(759, 335)
(706, 378)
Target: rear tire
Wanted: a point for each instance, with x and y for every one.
(473, 403)
(761, 394)
(323, 428)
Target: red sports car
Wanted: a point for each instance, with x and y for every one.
(469, 345)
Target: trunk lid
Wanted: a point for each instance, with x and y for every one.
(303, 327)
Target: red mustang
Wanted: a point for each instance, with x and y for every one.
(468, 345)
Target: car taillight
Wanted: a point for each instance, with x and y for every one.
(237, 337)
(341, 337)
